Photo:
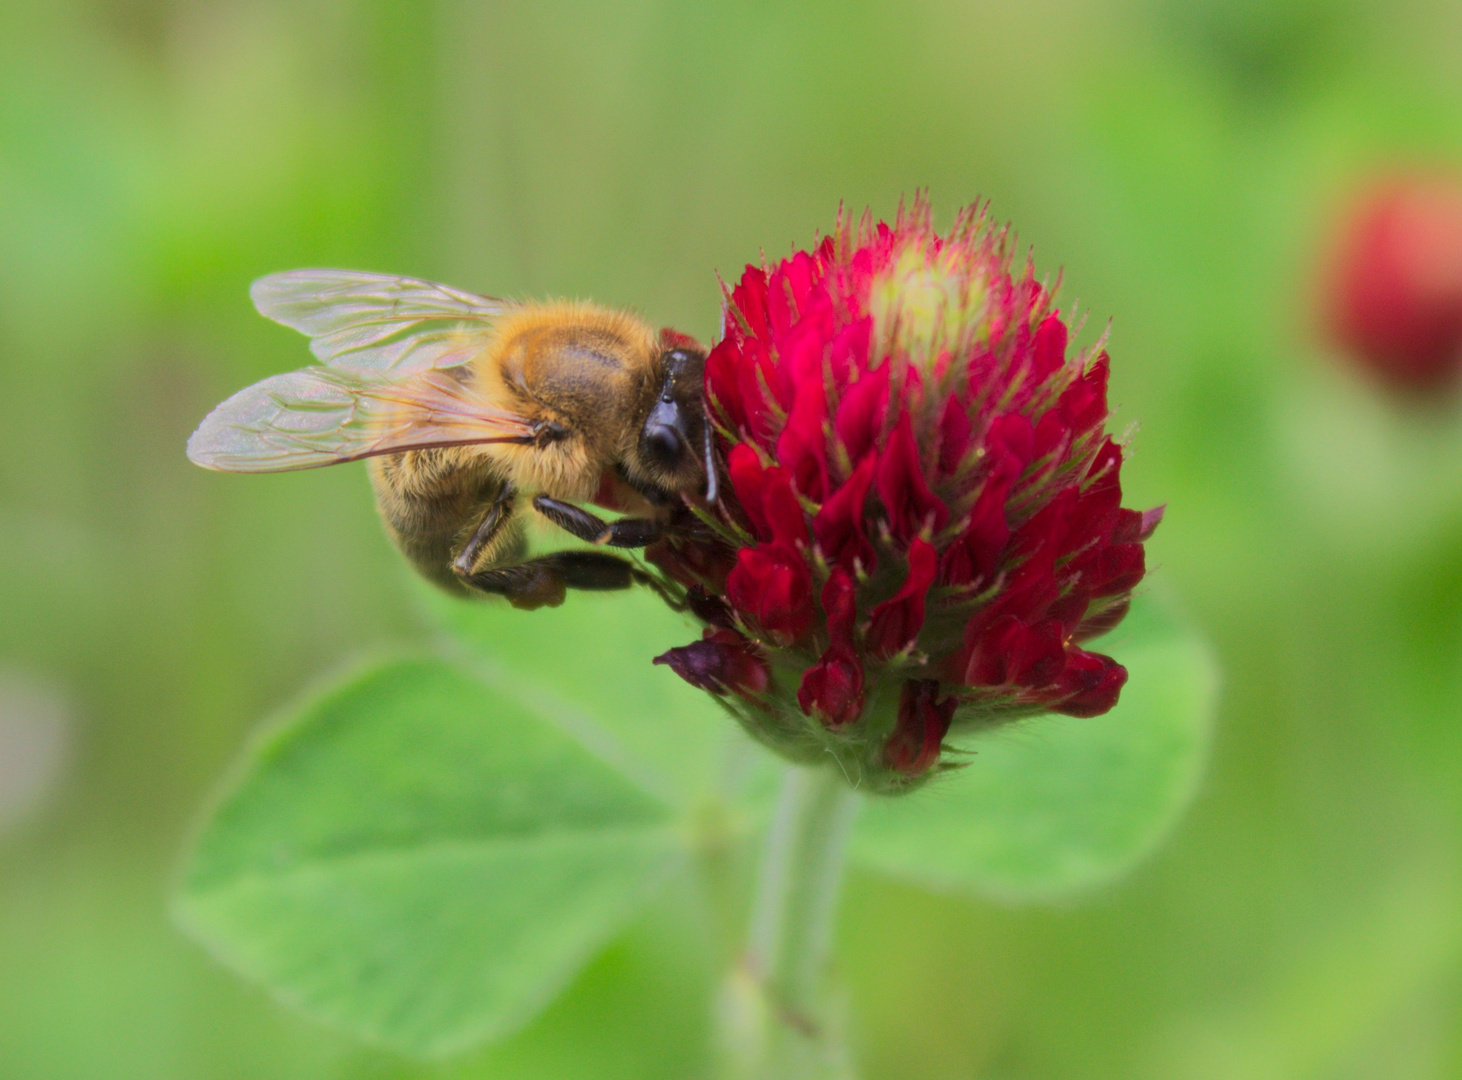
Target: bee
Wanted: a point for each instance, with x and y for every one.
(476, 413)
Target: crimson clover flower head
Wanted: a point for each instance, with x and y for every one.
(1394, 298)
(923, 521)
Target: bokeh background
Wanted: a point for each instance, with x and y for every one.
(1182, 160)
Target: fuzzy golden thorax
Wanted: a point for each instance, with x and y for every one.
(590, 371)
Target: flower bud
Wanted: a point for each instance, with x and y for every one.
(723, 662)
(1394, 300)
(922, 517)
(923, 720)
(832, 689)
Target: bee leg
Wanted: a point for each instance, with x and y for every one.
(528, 585)
(594, 571)
(542, 582)
(492, 523)
(626, 532)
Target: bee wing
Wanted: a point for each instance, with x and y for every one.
(378, 322)
(323, 416)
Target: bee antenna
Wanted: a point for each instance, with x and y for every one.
(713, 490)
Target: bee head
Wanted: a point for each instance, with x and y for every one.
(671, 439)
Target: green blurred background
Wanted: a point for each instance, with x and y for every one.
(1181, 159)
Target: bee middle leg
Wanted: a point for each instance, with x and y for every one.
(626, 532)
(542, 582)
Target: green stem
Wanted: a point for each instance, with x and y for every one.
(779, 1020)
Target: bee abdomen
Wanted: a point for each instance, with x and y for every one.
(430, 505)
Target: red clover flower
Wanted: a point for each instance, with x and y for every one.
(1394, 298)
(923, 521)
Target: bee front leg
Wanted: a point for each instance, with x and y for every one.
(542, 582)
(626, 532)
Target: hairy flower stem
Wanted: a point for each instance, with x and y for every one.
(779, 1020)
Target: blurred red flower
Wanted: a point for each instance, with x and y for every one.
(924, 507)
(1394, 291)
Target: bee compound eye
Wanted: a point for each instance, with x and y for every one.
(662, 445)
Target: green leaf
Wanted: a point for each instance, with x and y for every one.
(588, 664)
(1055, 805)
(639, 1011)
(421, 859)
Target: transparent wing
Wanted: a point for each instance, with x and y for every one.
(323, 416)
(378, 322)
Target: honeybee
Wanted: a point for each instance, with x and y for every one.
(474, 411)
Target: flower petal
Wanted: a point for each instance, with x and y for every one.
(1049, 352)
(772, 586)
(832, 689)
(861, 412)
(896, 622)
(724, 662)
(748, 480)
(802, 446)
(910, 505)
(838, 525)
(1090, 684)
(782, 510)
(923, 721)
(839, 603)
